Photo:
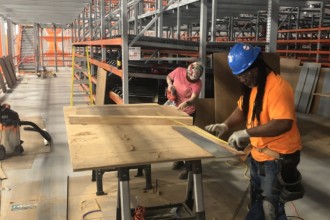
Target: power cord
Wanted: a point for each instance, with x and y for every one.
(237, 164)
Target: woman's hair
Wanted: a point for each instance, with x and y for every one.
(263, 72)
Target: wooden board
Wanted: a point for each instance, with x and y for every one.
(321, 97)
(226, 87)
(6, 73)
(24, 201)
(2, 83)
(107, 146)
(101, 86)
(2, 173)
(131, 109)
(205, 112)
(130, 120)
(306, 86)
(290, 70)
(226, 90)
(12, 73)
(10, 58)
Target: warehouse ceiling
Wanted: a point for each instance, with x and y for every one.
(65, 11)
(42, 11)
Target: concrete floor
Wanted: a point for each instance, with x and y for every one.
(225, 182)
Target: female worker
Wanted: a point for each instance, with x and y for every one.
(186, 85)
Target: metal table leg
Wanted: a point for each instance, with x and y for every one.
(124, 193)
(198, 189)
(189, 192)
(147, 170)
(99, 183)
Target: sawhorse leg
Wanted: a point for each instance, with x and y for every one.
(195, 190)
(124, 195)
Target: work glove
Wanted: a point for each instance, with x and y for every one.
(239, 140)
(219, 129)
(182, 106)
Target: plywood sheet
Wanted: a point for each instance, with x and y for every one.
(23, 202)
(18, 162)
(94, 146)
(205, 112)
(2, 173)
(100, 86)
(130, 120)
(226, 87)
(321, 100)
(12, 66)
(290, 70)
(12, 73)
(130, 109)
(6, 73)
(2, 83)
(128, 145)
(306, 86)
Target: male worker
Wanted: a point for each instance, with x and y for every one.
(186, 84)
(266, 106)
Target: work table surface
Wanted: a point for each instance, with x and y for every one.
(108, 143)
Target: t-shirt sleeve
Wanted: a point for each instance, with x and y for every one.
(197, 88)
(173, 74)
(281, 102)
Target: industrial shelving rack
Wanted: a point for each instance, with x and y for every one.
(115, 36)
(189, 30)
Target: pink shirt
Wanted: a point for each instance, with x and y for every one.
(184, 88)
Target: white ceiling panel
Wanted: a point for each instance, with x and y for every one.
(42, 11)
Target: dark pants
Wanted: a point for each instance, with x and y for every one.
(263, 176)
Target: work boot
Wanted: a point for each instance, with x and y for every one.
(18, 150)
(183, 175)
(177, 165)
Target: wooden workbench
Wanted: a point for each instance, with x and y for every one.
(121, 136)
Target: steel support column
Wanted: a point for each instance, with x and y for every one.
(136, 17)
(78, 27)
(320, 32)
(178, 20)
(257, 26)
(202, 41)
(160, 20)
(62, 46)
(124, 48)
(83, 25)
(90, 21)
(3, 36)
(55, 48)
(9, 37)
(214, 20)
(36, 44)
(103, 48)
(272, 25)
(42, 47)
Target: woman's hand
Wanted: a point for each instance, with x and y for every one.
(182, 106)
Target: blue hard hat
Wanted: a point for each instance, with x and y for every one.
(242, 56)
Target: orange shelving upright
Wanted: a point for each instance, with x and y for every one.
(311, 44)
